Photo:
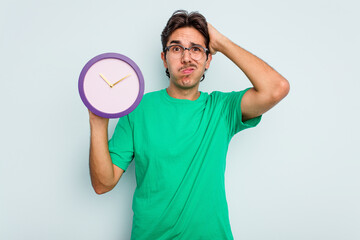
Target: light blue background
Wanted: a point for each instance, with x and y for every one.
(295, 176)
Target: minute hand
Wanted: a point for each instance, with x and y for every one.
(121, 79)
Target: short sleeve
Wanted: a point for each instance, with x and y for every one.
(121, 145)
(232, 111)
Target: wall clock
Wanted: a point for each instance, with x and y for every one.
(111, 85)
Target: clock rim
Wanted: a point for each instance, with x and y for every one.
(121, 57)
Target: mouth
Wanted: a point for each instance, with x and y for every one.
(187, 70)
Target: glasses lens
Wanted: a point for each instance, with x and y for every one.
(197, 52)
(177, 51)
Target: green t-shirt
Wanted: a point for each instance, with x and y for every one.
(179, 147)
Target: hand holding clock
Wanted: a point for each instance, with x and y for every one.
(97, 122)
(104, 103)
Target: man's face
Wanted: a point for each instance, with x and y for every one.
(185, 72)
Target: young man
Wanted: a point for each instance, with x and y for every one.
(179, 136)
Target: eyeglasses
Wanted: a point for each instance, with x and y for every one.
(197, 52)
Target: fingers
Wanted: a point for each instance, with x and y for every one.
(212, 35)
(93, 116)
(216, 40)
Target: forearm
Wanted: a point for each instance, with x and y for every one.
(263, 77)
(101, 167)
(269, 87)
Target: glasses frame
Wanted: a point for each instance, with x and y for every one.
(189, 48)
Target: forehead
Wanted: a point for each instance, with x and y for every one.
(187, 36)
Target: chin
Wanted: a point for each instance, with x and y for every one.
(187, 83)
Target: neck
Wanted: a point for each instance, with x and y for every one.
(189, 94)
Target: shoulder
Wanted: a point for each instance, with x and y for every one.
(223, 100)
(151, 95)
(147, 103)
(150, 98)
(219, 96)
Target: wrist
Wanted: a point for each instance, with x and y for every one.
(98, 133)
(221, 44)
(96, 124)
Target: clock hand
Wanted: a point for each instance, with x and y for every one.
(102, 76)
(121, 79)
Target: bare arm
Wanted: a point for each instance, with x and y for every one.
(269, 87)
(104, 174)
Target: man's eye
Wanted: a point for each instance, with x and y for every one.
(176, 49)
(196, 49)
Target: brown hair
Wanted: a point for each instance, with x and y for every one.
(180, 19)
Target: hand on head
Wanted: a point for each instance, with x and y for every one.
(215, 39)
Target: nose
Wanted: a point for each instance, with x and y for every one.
(186, 56)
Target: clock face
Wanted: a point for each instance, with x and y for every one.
(111, 85)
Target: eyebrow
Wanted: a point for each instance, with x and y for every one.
(179, 42)
(175, 41)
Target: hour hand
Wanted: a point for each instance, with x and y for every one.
(102, 76)
(121, 79)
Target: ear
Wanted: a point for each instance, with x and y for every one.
(164, 59)
(207, 64)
